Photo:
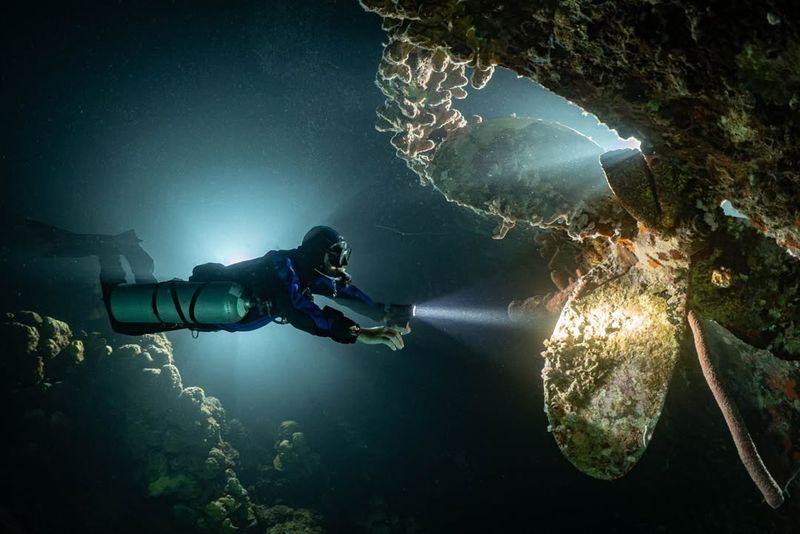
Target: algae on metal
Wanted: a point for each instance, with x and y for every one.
(760, 303)
(712, 88)
(607, 367)
(527, 171)
(765, 390)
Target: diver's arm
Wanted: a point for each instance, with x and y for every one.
(303, 314)
(350, 297)
(397, 316)
(354, 299)
(329, 322)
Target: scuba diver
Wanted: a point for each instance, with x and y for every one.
(277, 287)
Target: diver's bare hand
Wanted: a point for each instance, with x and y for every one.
(381, 335)
(402, 329)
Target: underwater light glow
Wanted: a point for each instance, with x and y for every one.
(601, 321)
(236, 257)
(730, 211)
(631, 142)
(484, 316)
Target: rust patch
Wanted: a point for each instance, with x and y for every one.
(786, 386)
(605, 229)
(789, 242)
(652, 262)
(627, 243)
(758, 224)
(677, 255)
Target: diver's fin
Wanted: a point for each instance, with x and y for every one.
(112, 272)
(51, 241)
(142, 265)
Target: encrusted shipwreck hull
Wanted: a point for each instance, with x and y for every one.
(712, 91)
(607, 368)
(527, 171)
(712, 87)
(609, 361)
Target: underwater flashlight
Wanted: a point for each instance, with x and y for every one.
(399, 314)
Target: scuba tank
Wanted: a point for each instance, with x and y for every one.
(176, 302)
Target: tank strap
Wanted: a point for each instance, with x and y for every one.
(154, 303)
(173, 291)
(192, 304)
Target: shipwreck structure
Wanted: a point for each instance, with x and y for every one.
(641, 254)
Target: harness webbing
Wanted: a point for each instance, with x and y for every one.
(192, 304)
(173, 291)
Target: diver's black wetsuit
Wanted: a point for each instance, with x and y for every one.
(281, 285)
(284, 285)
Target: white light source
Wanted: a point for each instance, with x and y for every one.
(484, 316)
(603, 320)
(729, 210)
(631, 142)
(235, 258)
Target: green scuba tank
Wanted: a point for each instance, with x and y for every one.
(179, 302)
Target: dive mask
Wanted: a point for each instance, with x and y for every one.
(338, 255)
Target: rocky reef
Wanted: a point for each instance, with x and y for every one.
(120, 423)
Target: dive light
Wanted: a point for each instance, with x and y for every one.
(399, 314)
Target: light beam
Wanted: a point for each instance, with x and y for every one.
(459, 314)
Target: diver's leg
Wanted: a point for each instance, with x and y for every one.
(50, 241)
(141, 263)
(57, 242)
(112, 274)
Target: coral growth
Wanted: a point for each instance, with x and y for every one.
(419, 85)
(167, 438)
(293, 456)
(712, 91)
(281, 519)
(712, 88)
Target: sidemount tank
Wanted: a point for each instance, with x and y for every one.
(179, 302)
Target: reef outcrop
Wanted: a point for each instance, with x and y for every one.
(128, 408)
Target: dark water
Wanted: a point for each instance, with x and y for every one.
(219, 131)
